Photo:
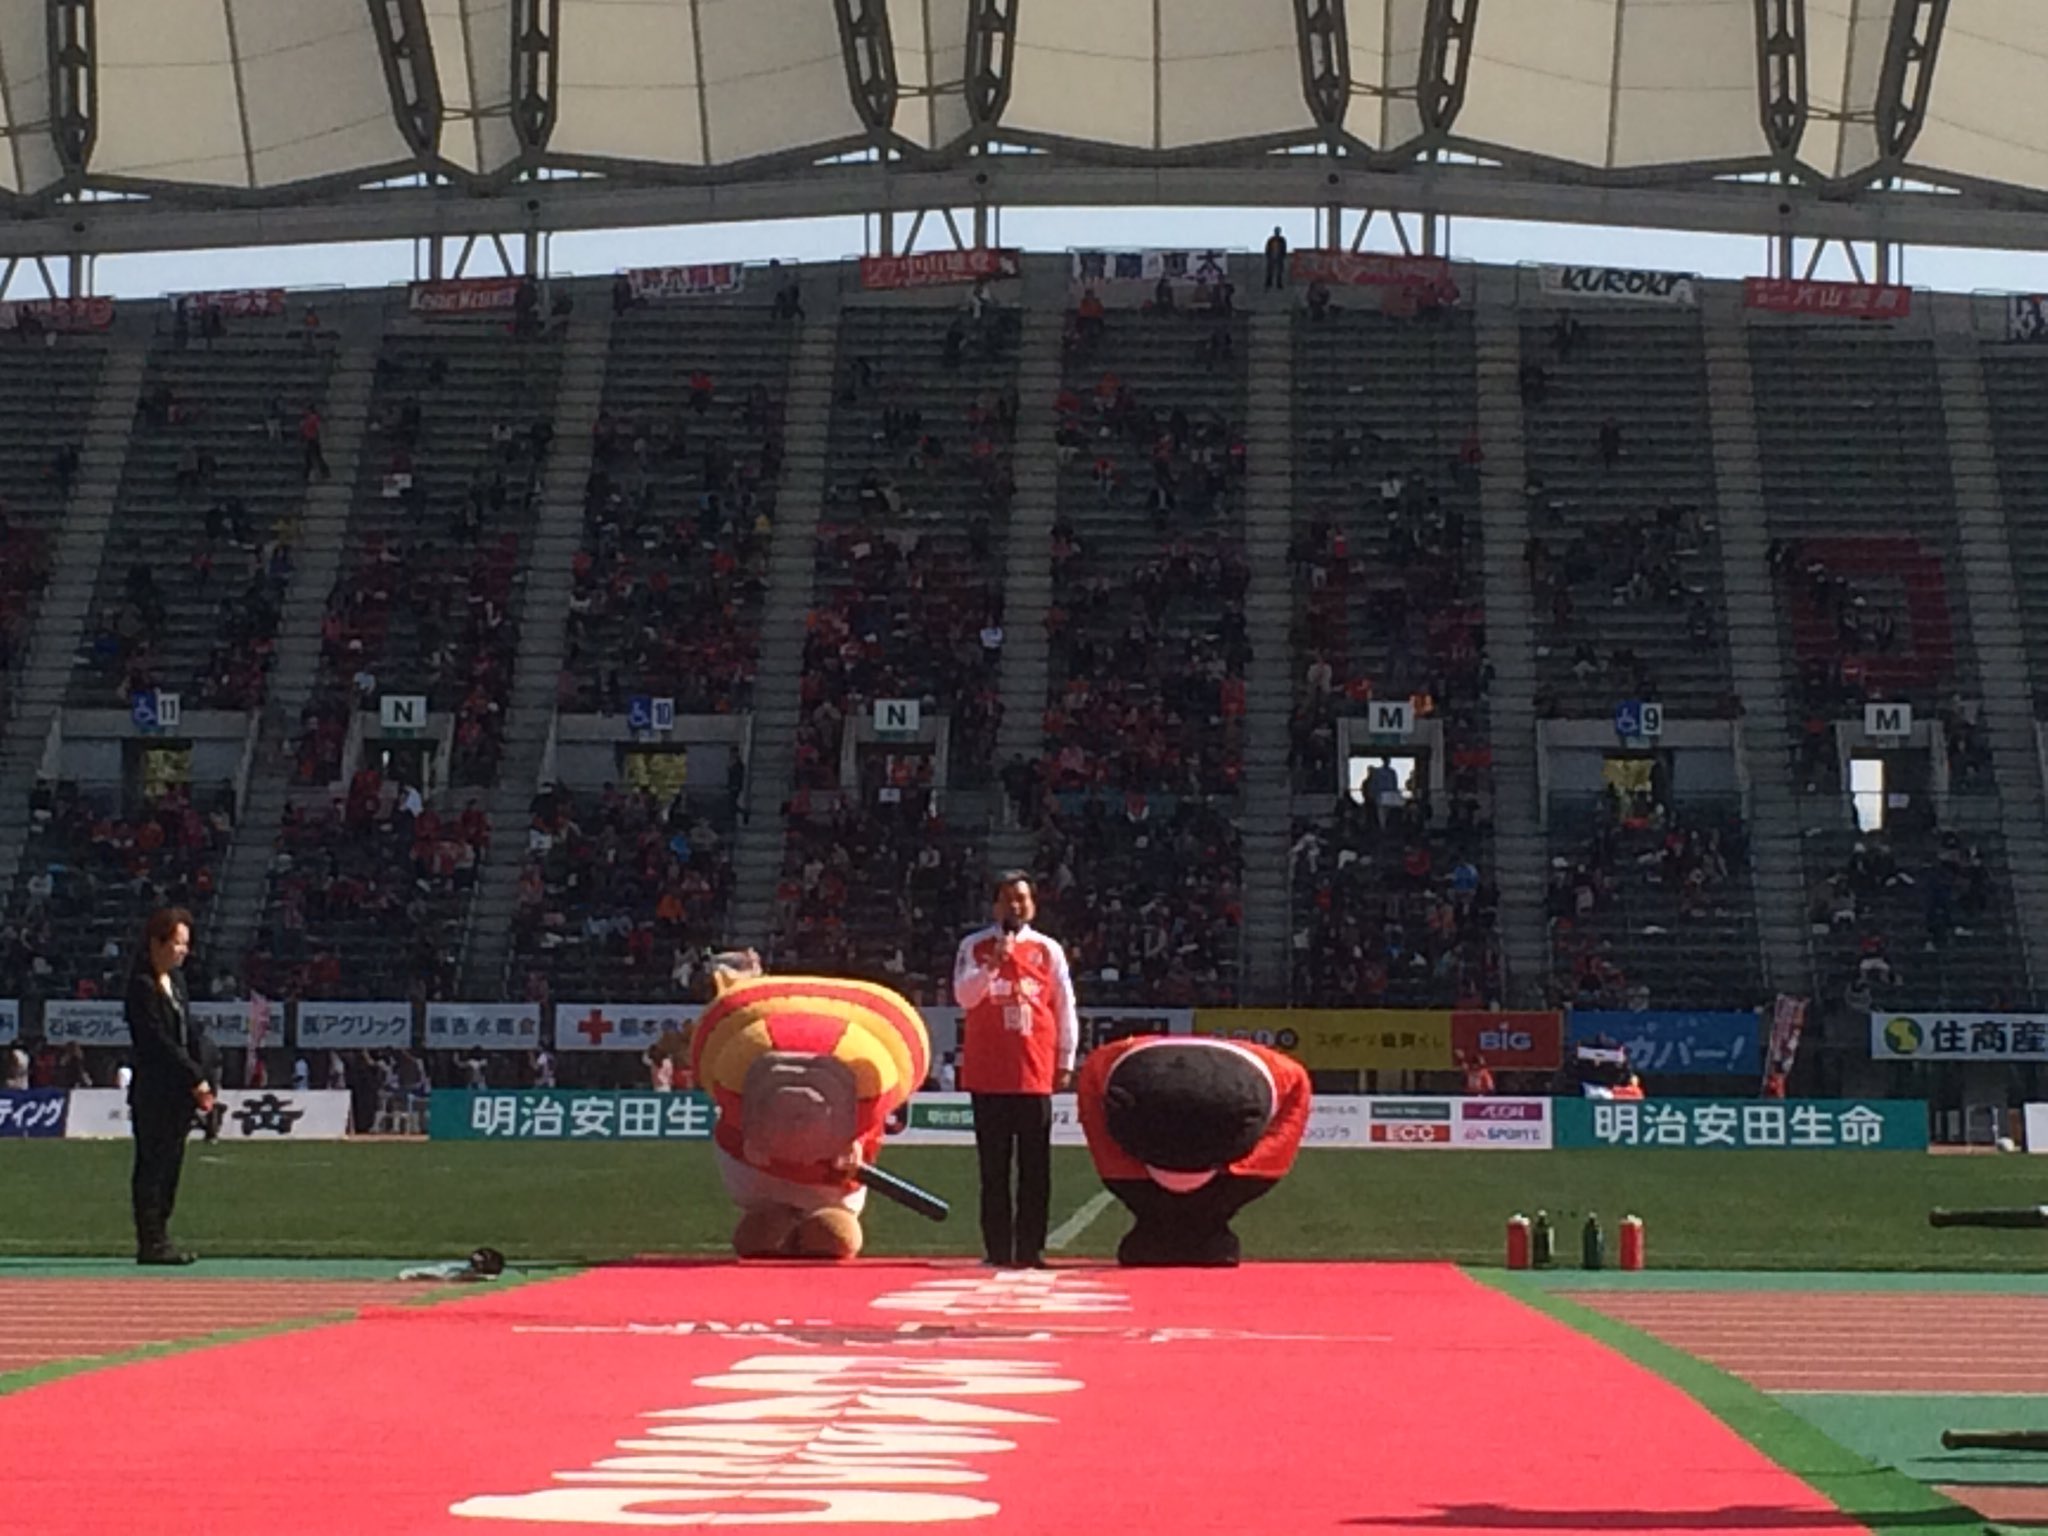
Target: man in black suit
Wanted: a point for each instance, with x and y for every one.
(177, 1069)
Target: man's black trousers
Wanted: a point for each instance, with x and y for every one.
(1014, 1127)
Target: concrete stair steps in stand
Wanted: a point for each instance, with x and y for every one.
(792, 568)
(1755, 664)
(1027, 578)
(1994, 616)
(38, 693)
(1269, 608)
(541, 611)
(323, 530)
(1518, 843)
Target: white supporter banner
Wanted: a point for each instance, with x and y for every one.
(688, 282)
(353, 1026)
(1635, 284)
(2026, 317)
(225, 1024)
(1185, 270)
(10, 1020)
(88, 1021)
(494, 1026)
(618, 1026)
(1351, 1121)
(252, 1114)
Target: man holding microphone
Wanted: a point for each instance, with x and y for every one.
(1018, 1034)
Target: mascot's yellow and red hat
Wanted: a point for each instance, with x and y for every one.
(875, 1032)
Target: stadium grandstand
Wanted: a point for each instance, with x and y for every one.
(1349, 626)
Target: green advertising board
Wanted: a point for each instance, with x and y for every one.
(1857, 1125)
(568, 1114)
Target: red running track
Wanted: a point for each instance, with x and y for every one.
(43, 1321)
(1275, 1400)
(1836, 1341)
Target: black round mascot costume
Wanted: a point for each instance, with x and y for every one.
(1187, 1133)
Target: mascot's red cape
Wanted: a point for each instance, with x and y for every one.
(805, 1072)
(1186, 1132)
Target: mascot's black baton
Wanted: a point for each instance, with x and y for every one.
(903, 1192)
(2022, 1216)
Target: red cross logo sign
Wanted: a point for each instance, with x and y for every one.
(595, 1027)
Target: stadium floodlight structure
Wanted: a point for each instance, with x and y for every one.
(137, 125)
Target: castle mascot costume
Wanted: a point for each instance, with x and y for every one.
(805, 1072)
(1187, 1132)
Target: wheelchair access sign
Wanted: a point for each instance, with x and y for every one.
(1638, 719)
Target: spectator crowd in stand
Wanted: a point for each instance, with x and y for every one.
(1644, 864)
(619, 895)
(1390, 911)
(89, 868)
(876, 888)
(368, 895)
(423, 608)
(666, 597)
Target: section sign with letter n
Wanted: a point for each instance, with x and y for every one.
(354, 1026)
(10, 1020)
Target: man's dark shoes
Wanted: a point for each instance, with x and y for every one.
(165, 1253)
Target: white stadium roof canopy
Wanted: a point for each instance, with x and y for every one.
(829, 106)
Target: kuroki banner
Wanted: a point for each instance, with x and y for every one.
(488, 1026)
(94, 314)
(1632, 283)
(1142, 270)
(691, 282)
(460, 297)
(233, 303)
(85, 1021)
(939, 269)
(1844, 301)
(1959, 1036)
(619, 1026)
(1374, 269)
(354, 1026)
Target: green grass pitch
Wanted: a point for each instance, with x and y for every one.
(405, 1200)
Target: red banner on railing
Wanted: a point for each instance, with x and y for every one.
(936, 269)
(234, 303)
(1849, 301)
(687, 282)
(94, 314)
(1371, 269)
(465, 296)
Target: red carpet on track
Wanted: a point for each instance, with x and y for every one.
(1274, 1400)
